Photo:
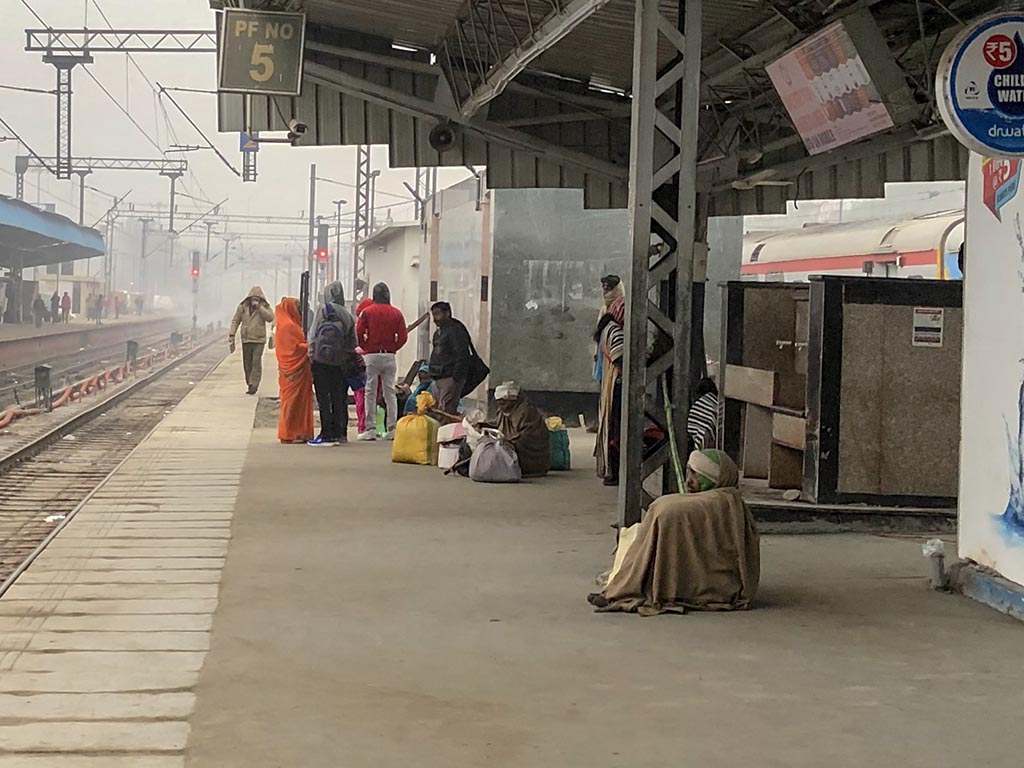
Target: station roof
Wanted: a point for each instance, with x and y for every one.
(30, 237)
(562, 118)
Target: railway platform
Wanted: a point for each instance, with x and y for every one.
(223, 600)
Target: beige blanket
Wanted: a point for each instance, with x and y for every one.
(692, 552)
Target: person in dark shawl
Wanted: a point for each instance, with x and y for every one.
(524, 427)
(694, 551)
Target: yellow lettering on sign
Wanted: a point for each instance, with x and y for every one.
(273, 30)
(240, 26)
(253, 28)
(287, 31)
(263, 64)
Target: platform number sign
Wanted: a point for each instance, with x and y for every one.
(261, 52)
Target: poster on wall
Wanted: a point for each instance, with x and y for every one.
(928, 323)
(991, 523)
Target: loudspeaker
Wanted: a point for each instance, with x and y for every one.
(444, 136)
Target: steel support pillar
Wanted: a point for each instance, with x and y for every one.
(81, 197)
(20, 169)
(64, 65)
(173, 176)
(364, 216)
(663, 215)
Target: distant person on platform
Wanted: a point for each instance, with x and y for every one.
(39, 311)
(449, 358)
(382, 332)
(336, 365)
(139, 303)
(294, 375)
(360, 395)
(55, 308)
(65, 308)
(251, 317)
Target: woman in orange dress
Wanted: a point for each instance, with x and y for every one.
(294, 375)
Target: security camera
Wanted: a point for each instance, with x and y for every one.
(297, 127)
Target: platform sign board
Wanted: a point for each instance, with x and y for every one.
(261, 52)
(991, 504)
(249, 142)
(981, 79)
(828, 91)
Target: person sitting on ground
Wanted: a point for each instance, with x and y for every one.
(694, 551)
(425, 384)
(524, 427)
(294, 375)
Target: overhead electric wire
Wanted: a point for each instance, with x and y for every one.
(163, 92)
(33, 12)
(156, 98)
(24, 89)
(25, 144)
(406, 198)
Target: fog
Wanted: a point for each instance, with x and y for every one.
(256, 253)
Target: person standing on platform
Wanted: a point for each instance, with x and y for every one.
(251, 317)
(449, 358)
(55, 308)
(360, 395)
(294, 375)
(332, 348)
(39, 310)
(65, 308)
(382, 332)
(611, 346)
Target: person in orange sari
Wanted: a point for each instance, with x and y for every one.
(294, 375)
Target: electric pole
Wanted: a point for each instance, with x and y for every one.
(142, 255)
(337, 239)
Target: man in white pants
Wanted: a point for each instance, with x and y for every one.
(382, 332)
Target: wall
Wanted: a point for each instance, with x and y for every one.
(725, 254)
(900, 404)
(991, 529)
(549, 257)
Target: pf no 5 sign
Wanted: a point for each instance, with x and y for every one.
(262, 52)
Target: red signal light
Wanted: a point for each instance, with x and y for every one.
(321, 255)
(195, 271)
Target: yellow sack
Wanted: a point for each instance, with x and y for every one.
(416, 435)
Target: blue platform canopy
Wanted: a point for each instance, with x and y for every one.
(30, 237)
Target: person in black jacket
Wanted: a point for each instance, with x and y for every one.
(449, 359)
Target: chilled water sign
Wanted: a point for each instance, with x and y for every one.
(982, 78)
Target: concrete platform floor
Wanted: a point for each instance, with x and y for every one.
(379, 616)
(375, 616)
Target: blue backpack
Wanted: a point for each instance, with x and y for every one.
(329, 346)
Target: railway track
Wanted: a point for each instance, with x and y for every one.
(42, 483)
(17, 384)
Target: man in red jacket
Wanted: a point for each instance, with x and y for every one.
(382, 332)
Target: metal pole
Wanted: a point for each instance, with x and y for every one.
(142, 256)
(312, 219)
(688, 120)
(663, 153)
(81, 199)
(174, 183)
(209, 231)
(337, 240)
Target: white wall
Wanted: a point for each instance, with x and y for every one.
(991, 529)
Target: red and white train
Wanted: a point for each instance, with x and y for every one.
(922, 247)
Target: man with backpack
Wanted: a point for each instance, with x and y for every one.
(336, 365)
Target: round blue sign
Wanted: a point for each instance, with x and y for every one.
(982, 86)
